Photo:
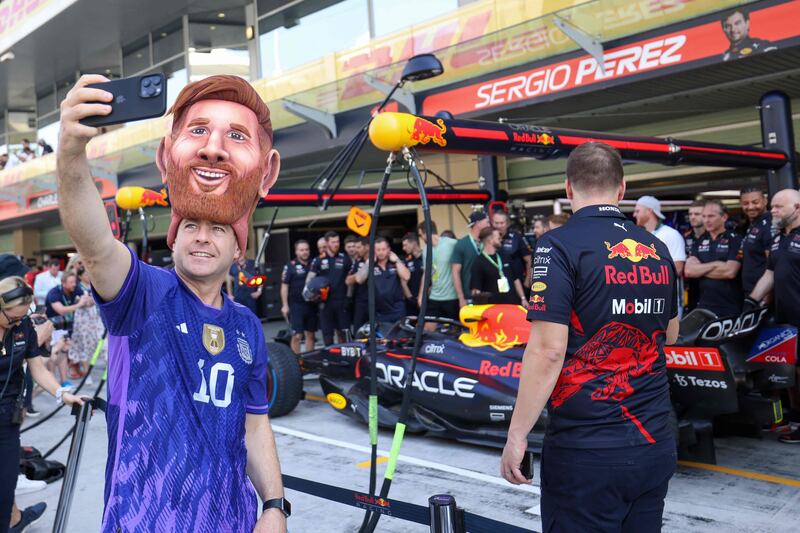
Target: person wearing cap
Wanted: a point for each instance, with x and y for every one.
(648, 215)
(514, 249)
(335, 266)
(756, 233)
(716, 261)
(187, 367)
(492, 281)
(301, 315)
(695, 231)
(467, 249)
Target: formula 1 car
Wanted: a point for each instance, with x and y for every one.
(721, 371)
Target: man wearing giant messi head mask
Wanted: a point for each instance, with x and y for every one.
(187, 400)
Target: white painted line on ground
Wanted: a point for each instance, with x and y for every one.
(535, 510)
(410, 460)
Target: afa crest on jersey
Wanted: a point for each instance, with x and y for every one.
(244, 350)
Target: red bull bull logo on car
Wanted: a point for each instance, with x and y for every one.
(499, 326)
(424, 131)
(632, 250)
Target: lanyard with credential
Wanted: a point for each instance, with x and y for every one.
(497, 264)
(474, 245)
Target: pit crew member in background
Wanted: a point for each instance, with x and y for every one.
(413, 262)
(493, 282)
(236, 285)
(466, 251)
(360, 292)
(442, 299)
(609, 305)
(648, 215)
(756, 236)
(783, 275)
(696, 229)
(716, 262)
(514, 250)
(390, 273)
(335, 266)
(301, 315)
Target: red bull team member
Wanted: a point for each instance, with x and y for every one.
(716, 262)
(607, 301)
(464, 254)
(756, 236)
(334, 265)
(514, 249)
(302, 315)
(783, 273)
(360, 293)
(389, 274)
(413, 262)
(695, 231)
(491, 279)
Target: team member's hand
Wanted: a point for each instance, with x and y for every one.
(524, 303)
(285, 312)
(70, 399)
(256, 294)
(271, 521)
(393, 257)
(513, 454)
(81, 102)
(462, 302)
(692, 259)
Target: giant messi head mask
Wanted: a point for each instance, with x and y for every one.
(218, 158)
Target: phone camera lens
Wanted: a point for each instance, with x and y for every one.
(147, 82)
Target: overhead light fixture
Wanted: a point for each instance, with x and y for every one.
(7, 56)
(192, 49)
(212, 28)
(163, 34)
(108, 71)
(139, 55)
(221, 15)
(249, 32)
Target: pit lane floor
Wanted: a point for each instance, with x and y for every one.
(314, 442)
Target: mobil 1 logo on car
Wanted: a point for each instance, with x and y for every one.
(698, 377)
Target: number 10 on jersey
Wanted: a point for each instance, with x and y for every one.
(203, 395)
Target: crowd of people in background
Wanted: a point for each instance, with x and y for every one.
(25, 153)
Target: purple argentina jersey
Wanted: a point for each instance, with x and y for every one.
(181, 377)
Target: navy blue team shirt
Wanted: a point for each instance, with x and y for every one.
(755, 247)
(614, 285)
(784, 261)
(335, 269)
(294, 275)
(722, 296)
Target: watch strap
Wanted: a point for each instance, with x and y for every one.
(278, 503)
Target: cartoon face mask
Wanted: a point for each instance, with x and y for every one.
(218, 159)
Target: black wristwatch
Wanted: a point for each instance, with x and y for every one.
(278, 503)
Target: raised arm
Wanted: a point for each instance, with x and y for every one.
(79, 202)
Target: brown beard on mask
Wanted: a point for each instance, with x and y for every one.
(238, 201)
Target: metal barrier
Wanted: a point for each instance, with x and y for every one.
(442, 514)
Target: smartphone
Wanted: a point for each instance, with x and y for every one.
(526, 467)
(135, 98)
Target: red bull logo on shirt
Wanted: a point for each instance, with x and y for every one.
(424, 131)
(632, 250)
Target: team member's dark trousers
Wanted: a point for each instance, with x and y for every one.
(9, 462)
(605, 490)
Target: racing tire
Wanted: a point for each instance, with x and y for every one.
(284, 380)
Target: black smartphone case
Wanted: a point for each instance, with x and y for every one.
(128, 104)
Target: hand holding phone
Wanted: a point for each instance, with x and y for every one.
(136, 98)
